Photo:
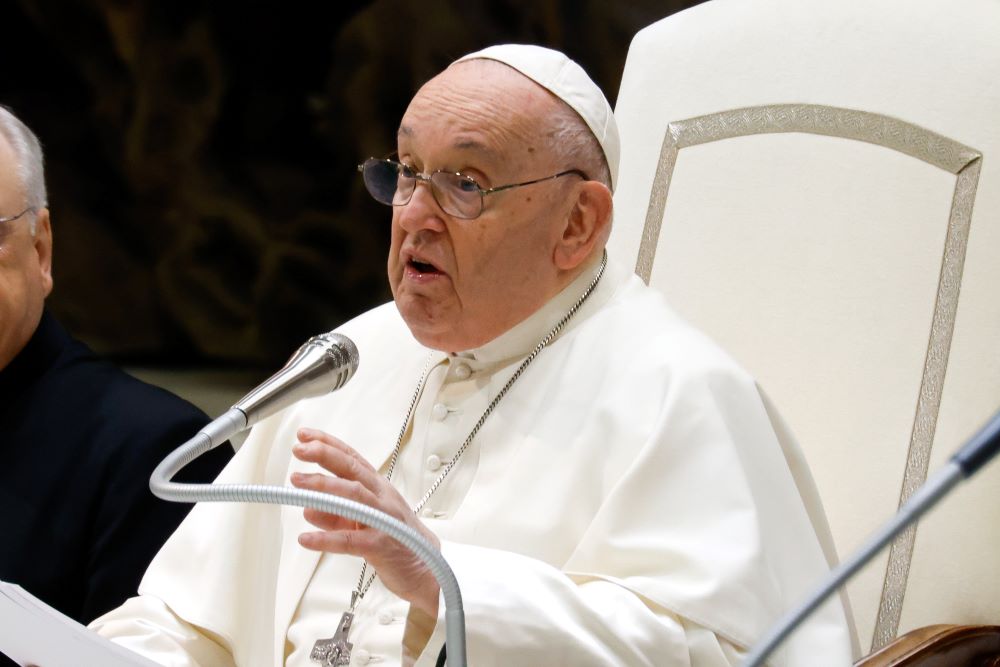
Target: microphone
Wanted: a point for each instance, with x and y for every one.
(963, 464)
(323, 364)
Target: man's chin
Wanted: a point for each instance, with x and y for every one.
(430, 329)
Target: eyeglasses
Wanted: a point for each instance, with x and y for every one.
(12, 218)
(458, 195)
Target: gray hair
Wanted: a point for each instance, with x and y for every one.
(30, 162)
(575, 145)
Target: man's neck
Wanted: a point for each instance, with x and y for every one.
(518, 340)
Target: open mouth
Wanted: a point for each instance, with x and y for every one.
(423, 267)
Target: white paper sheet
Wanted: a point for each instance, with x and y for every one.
(33, 633)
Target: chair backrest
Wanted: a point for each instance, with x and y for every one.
(816, 185)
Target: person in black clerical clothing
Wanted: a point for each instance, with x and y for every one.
(79, 438)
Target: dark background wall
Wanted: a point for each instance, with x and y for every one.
(201, 155)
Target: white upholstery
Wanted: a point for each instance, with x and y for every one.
(816, 259)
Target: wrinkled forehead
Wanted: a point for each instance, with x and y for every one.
(479, 105)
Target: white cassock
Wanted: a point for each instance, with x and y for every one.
(627, 503)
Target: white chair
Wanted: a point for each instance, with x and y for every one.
(816, 185)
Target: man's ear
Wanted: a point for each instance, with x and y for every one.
(588, 225)
(43, 248)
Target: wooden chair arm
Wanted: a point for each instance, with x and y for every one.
(940, 646)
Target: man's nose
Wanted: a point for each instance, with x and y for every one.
(422, 211)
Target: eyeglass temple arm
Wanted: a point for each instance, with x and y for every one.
(501, 188)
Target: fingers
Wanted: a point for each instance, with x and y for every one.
(315, 435)
(336, 457)
(351, 542)
(326, 521)
(356, 479)
(345, 488)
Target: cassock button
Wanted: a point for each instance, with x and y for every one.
(439, 411)
(363, 657)
(462, 371)
(385, 617)
(433, 462)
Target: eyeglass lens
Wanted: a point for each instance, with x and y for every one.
(393, 184)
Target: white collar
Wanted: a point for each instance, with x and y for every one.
(521, 339)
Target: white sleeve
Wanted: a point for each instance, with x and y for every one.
(147, 626)
(521, 611)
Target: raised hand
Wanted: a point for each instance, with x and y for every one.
(353, 477)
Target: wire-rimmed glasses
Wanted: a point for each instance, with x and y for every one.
(4, 221)
(12, 218)
(393, 183)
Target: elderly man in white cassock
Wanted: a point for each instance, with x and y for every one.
(604, 482)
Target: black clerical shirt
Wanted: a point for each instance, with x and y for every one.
(79, 439)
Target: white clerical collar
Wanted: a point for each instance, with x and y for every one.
(522, 338)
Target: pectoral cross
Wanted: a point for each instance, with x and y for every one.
(336, 650)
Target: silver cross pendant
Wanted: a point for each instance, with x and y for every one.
(336, 650)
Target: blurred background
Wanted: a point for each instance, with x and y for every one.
(201, 156)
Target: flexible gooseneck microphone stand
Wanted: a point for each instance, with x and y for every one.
(322, 361)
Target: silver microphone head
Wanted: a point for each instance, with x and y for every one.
(338, 352)
(323, 364)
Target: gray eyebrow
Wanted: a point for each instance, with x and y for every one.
(472, 144)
